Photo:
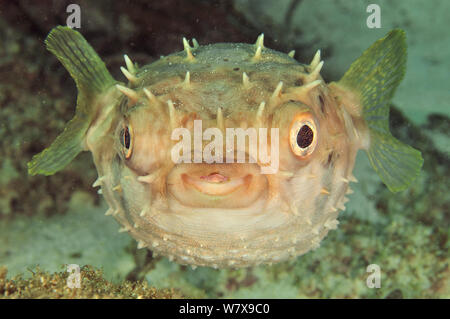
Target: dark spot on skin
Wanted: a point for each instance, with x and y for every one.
(322, 103)
(298, 82)
(330, 158)
(305, 136)
(236, 69)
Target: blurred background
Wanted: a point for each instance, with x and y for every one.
(56, 220)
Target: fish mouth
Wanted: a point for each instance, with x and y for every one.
(216, 184)
(235, 185)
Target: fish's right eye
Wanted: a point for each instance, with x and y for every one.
(126, 141)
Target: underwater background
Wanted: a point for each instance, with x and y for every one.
(49, 222)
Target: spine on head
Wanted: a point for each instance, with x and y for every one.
(375, 77)
(92, 79)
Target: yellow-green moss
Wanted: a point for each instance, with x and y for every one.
(45, 285)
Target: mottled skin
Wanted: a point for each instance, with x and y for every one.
(174, 211)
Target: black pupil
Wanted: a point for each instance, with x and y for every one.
(305, 136)
(125, 137)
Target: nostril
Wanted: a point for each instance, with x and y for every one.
(215, 178)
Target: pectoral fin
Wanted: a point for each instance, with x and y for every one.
(375, 77)
(92, 79)
(62, 151)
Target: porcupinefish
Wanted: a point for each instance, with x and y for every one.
(219, 213)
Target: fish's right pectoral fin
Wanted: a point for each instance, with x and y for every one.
(62, 151)
(82, 62)
(92, 80)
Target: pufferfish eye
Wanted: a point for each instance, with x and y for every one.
(125, 141)
(303, 135)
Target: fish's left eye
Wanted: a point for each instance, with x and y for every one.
(125, 141)
(303, 135)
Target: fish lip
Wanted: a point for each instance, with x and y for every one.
(215, 177)
(237, 185)
(215, 188)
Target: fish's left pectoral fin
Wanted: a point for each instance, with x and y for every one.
(374, 77)
(62, 151)
(396, 163)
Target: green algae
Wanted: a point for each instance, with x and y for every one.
(43, 285)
